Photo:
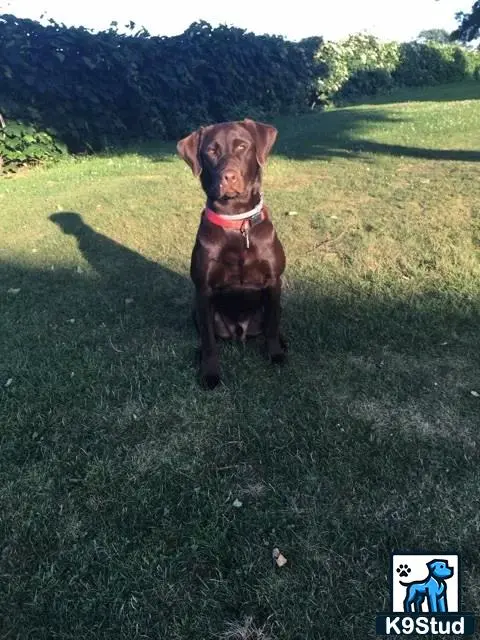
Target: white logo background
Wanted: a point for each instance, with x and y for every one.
(419, 571)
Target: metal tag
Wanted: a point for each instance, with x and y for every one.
(256, 218)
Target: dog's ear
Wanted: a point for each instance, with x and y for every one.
(264, 136)
(189, 149)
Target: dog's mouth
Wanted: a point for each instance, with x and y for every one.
(229, 195)
(221, 193)
(231, 189)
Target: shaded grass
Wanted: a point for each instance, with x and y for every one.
(119, 474)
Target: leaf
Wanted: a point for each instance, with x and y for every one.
(281, 560)
(278, 557)
(89, 63)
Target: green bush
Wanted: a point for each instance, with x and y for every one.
(22, 144)
(365, 82)
(473, 62)
(361, 65)
(358, 54)
(94, 90)
(430, 63)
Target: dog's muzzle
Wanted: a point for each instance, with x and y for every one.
(231, 182)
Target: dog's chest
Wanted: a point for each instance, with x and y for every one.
(238, 267)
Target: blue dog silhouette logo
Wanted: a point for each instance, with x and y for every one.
(425, 597)
(432, 590)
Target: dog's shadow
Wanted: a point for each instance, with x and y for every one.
(161, 296)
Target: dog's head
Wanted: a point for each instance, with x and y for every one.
(229, 157)
(440, 569)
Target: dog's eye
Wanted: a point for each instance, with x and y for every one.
(212, 151)
(241, 146)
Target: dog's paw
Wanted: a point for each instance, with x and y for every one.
(210, 380)
(276, 350)
(278, 358)
(209, 374)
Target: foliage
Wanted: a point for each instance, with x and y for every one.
(22, 144)
(432, 63)
(469, 24)
(341, 60)
(94, 90)
(434, 35)
(362, 65)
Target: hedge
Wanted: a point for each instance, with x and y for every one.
(93, 90)
(69, 87)
(361, 65)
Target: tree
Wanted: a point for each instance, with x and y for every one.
(469, 27)
(434, 35)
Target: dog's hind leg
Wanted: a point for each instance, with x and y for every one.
(413, 602)
(407, 604)
(417, 605)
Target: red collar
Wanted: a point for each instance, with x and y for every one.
(239, 222)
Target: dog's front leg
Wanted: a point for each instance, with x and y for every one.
(274, 342)
(432, 602)
(209, 365)
(442, 604)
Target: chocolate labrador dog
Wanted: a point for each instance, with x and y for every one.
(237, 259)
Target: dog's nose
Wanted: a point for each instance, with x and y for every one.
(229, 178)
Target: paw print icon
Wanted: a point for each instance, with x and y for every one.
(403, 570)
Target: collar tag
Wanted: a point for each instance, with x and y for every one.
(256, 218)
(245, 234)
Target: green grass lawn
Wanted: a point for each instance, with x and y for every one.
(119, 475)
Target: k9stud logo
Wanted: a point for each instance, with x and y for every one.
(425, 597)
